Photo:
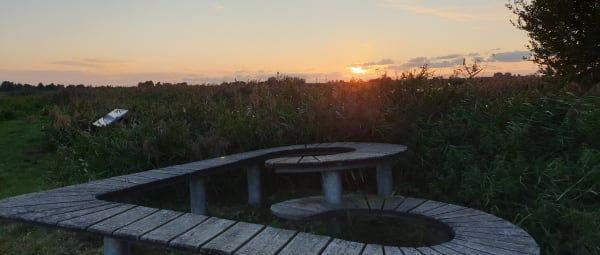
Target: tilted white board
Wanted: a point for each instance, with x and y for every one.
(111, 117)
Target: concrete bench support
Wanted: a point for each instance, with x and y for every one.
(332, 186)
(254, 190)
(384, 179)
(115, 247)
(198, 196)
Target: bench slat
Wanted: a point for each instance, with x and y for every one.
(338, 246)
(267, 242)
(45, 211)
(392, 202)
(444, 250)
(55, 218)
(108, 226)
(486, 248)
(305, 244)
(233, 238)
(83, 222)
(137, 229)
(373, 249)
(197, 236)
(392, 250)
(428, 251)
(409, 203)
(427, 206)
(163, 234)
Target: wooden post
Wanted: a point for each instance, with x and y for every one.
(332, 186)
(254, 189)
(385, 181)
(197, 196)
(115, 247)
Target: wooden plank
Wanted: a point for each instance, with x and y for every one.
(424, 207)
(305, 244)
(113, 183)
(375, 202)
(137, 229)
(485, 248)
(267, 242)
(338, 246)
(55, 218)
(463, 249)
(197, 236)
(163, 234)
(233, 238)
(485, 217)
(155, 175)
(526, 248)
(509, 239)
(391, 203)
(492, 230)
(409, 251)
(373, 249)
(45, 211)
(428, 251)
(409, 203)
(108, 226)
(160, 171)
(172, 170)
(489, 224)
(467, 212)
(41, 199)
(443, 209)
(19, 212)
(392, 250)
(444, 250)
(84, 221)
(133, 179)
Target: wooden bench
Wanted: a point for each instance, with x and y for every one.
(91, 207)
(472, 231)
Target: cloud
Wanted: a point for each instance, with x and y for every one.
(75, 63)
(453, 60)
(385, 61)
(102, 60)
(217, 6)
(510, 56)
(451, 56)
(483, 10)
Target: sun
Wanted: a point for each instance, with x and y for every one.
(357, 70)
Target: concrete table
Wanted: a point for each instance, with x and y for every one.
(347, 156)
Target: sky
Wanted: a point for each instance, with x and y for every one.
(123, 42)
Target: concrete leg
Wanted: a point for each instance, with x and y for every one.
(115, 247)
(384, 179)
(198, 195)
(332, 186)
(254, 189)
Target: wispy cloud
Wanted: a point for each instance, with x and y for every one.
(453, 60)
(76, 63)
(441, 9)
(218, 6)
(511, 56)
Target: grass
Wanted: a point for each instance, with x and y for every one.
(520, 148)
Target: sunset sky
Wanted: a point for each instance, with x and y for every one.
(122, 42)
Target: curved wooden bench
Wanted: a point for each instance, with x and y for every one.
(474, 231)
(90, 207)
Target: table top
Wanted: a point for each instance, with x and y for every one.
(338, 156)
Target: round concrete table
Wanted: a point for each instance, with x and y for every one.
(341, 157)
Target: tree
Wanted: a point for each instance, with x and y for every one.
(564, 36)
